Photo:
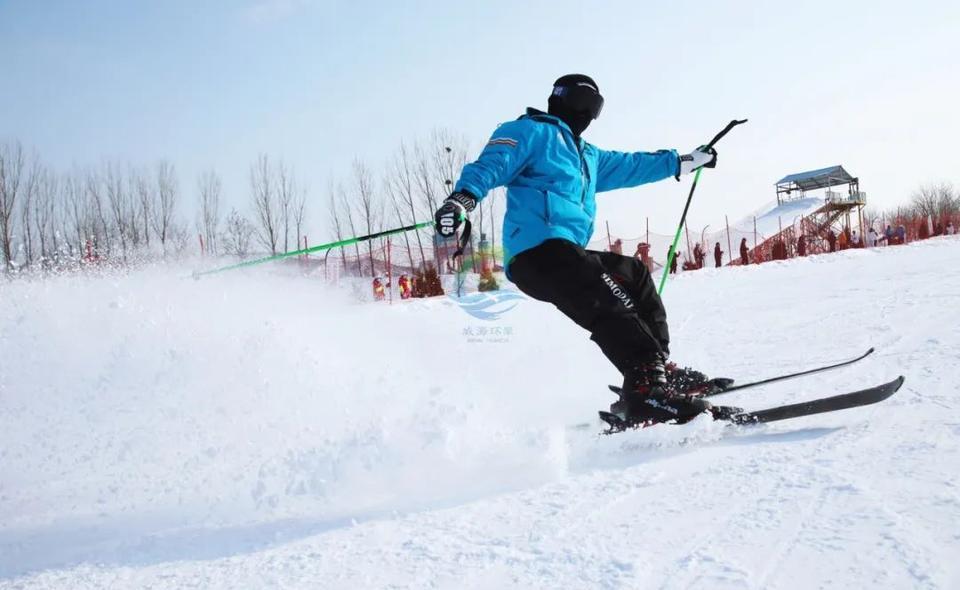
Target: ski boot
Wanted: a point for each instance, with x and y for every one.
(647, 398)
(692, 382)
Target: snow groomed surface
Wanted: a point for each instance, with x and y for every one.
(257, 430)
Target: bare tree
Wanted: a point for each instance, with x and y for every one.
(100, 236)
(45, 213)
(426, 178)
(936, 200)
(121, 205)
(286, 195)
(164, 207)
(401, 183)
(266, 209)
(209, 187)
(11, 170)
(76, 207)
(299, 215)
(29, 193)
(134, 211)
(438, 164)
(370, 207)
(145, 191)
(395, 201)
(237, 234)
(178, 236)
(335, 221)
(347, 208)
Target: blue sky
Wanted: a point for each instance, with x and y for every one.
(871, 85)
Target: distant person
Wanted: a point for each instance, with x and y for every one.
(698, 256)
(889, 235)
(950, 230)
(832, 240)
(673, 263)
(744, 252)
(379, 291)
(923, 230)
(901, 234)
(778, 251)
(802, 246)
(617, 246)
(872, 238)
(718, 255)
(843, 242)
(406, 288)
(643, 255)
(854, 239)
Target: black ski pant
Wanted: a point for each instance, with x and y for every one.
(610, 295)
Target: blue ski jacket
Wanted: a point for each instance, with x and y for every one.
(552, 179)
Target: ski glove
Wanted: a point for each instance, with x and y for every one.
(453, 212)
(703, 156)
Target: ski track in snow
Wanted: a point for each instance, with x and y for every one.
(258, 430)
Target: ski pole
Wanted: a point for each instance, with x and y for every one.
(683, 218)
(347, 242)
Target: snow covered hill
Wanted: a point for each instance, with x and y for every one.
(255, 430)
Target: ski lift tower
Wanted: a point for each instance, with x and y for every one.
(835, 204)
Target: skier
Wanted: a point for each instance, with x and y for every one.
(718, 255)
(379, 292)
(552, 175)
(744, 250)
(405, 287)
(699, 255)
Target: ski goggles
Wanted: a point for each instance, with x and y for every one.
(581, 98)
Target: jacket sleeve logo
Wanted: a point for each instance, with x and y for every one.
(503, 141)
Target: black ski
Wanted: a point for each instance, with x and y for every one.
(854, 399)
(794, 375)
(723, 386)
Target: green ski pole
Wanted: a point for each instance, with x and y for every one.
(321, 247)
(672, 253)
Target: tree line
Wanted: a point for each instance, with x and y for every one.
(124, 214)
(939, 201)
(408, 190)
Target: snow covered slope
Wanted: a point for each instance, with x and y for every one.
(252, 431)
(771, 217)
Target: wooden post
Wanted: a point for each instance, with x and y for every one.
(729, 243)
(648, 231)
(686, 228)
(754, 232)
(389, 274)
(609, 243)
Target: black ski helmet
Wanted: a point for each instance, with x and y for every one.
(577, 93)
(575, 99)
